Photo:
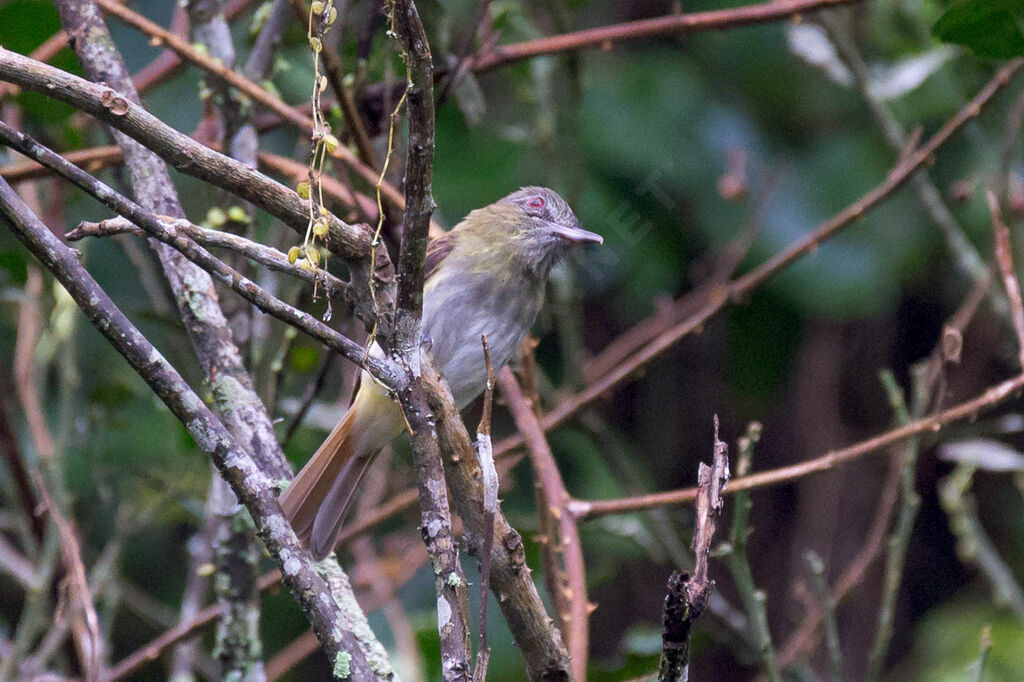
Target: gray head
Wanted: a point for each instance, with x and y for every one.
(547, 227)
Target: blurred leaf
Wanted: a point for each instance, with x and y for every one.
(13, 263)
(26, 24)
(111, 394)
(989, 28)
(990, 455)
(946, 642)
(470, 99)
(304, 358)
(811, 43)
(904, 76)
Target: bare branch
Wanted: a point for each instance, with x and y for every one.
(91, 645)
(739, 289)
(158, 229)
(1004, 258)
(677, 24)
(273, 259)
(254, 489)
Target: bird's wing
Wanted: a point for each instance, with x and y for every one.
(437, 249)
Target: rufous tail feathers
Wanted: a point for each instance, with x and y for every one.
(320, 495)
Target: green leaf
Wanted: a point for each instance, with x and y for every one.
(988, 28)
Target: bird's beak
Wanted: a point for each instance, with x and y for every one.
(575, 235)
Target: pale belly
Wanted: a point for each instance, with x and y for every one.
(456, 316)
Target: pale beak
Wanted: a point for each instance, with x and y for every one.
(576, 235)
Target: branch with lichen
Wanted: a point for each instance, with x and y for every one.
(538, 640)
(402, 340)
(351, 243)
(255, 490)
(224, 273)
(278, 261)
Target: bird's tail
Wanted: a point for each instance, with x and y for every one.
(319, 496)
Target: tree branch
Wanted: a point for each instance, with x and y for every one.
(688, 596)
(256, 490)
(538, 640)
(157, 228)
(567, 581)
(275, 260)
(403, 341)
(741, 288)
(677, 24)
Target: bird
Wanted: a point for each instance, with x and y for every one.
(487, 275)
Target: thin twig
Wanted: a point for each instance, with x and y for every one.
(994, 395)
(167, 63)
(967, 257)
(909, 505)
(739, 563)
(78, 586)
(1004, 258)
(273, 259)
(809, 632)
(156, 228)
(243, 84)
(18, 471)
(29, 330)
(973, 543)
(676, 24)
(741, 288)
(835, 651)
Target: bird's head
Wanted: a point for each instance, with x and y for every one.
(534, 226)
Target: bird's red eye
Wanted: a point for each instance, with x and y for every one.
(536, 202)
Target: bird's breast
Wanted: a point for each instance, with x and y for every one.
(459, 308)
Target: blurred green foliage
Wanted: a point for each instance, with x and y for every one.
(637, 138)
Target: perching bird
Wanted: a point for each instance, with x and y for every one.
(486, 276)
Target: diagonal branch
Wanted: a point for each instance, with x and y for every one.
(268, 256)
(254, 488)
(740, 288)
(676, 24)
(224, 273)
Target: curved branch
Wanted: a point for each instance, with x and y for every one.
(741, 287)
